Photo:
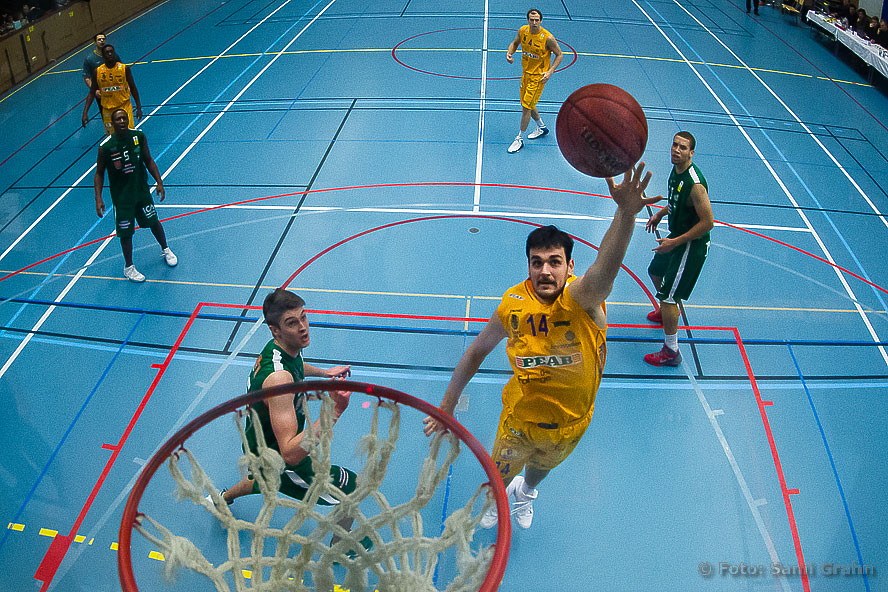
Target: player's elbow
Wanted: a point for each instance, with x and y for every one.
(293, 454)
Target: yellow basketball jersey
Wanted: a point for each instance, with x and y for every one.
(557, 354)
(535, 56)
(113, 84)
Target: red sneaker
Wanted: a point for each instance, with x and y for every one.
(664, 357)
(656, 316)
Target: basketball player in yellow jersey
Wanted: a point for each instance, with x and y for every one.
(113, 83)
(537, 47)
(555, 324)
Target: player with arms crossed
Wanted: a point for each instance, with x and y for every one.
(556, 325)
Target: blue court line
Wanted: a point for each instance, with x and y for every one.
(52, 273)
(430, 330)
(70, 428)
(832, 464)
(780, 153)
(236, 78)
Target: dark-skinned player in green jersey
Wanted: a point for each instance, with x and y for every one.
(125, 156)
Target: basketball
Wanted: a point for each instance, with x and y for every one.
(601, 130)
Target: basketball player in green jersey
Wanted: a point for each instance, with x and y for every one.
(125, 155)
(680, 256)
(281, 418)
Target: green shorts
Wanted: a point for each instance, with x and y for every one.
(296, 479)
(127, 215)
(679, 269)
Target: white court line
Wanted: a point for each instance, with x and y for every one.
(50, 310)
(144, 119)
(839, 273)
(76, 278)
(794, 116)
(246, 87)
(124, 493)
(449, 212)
(738, 474)
(476, 201)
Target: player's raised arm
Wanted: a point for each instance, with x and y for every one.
(492, 333)
(594, 286)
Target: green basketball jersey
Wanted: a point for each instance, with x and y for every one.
(127, 175)
(682, 214)
(273, 359)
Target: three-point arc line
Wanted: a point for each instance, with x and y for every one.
(58, 548)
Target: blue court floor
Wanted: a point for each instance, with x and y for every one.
(356, 153)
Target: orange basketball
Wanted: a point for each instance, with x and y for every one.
(601, 130)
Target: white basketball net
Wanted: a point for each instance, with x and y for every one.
(404, 564)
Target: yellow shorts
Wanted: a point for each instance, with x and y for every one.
(531, 90)
(106, 116)
(519, 443)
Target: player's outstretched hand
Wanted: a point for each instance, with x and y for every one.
(341, 399)
(629, 194)
(100, 208)
(654, 220)
(431, 425)
(341, 372)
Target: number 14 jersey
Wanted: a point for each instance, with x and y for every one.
(557, 354)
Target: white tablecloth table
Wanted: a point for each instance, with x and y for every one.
(875, 56)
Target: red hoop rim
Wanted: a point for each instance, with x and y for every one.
(504, 528)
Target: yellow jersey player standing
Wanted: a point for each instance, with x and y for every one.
(555, 324)
(113, 83)
(537, 47)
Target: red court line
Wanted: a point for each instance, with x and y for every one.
(53, 558)
(777, 464)
(60, 545)
(395, 57)
(446, 184)
(83, 99)
(22, 147)
(812, 64)
(445, 217)
(381, 315)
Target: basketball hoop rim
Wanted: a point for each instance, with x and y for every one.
(131, 509)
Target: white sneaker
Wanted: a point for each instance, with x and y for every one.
(538, 133)
(522, 507)
(169, 257)
(516, 145)
(132, 274)
(489, 519)
(209, 497)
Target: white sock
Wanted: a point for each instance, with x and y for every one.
(520, 133)
(671, 341)
(540, 123)
(526, 489)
